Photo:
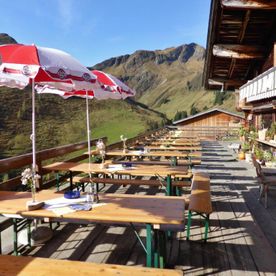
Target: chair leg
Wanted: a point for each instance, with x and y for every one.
(265, 194)
(261, 191)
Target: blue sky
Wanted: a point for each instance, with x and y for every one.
(93, 31)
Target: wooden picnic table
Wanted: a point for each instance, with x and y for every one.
(171, 139)
(30, 266)
(154, 213)
(171, 147)
(160, 153)
(167, 172)
(175, 143)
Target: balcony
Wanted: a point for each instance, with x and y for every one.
(260, 88)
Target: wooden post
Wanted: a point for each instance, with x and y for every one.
(274, 55)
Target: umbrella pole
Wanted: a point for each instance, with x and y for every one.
(92, 187)
(33, 139)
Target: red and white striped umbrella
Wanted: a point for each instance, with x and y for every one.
(107, 87)
(110, 83)
(21, 65)
(45, 66)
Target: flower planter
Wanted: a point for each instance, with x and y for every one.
(241, 155)
(261, 134)
(248, 157)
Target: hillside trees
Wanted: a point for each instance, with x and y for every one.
(180, 115)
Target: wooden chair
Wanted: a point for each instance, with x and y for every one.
(265, 181)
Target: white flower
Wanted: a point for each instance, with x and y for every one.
(37, 176)
(24, 181)
(27, 177)
(100, 145)
(123, 138)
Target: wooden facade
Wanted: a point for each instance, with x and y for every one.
(212, 124)
(212, 118)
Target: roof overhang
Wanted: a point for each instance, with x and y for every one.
(240, 38)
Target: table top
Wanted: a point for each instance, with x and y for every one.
(161, 153)
(137, 170)
(30, 266)
(113, 208)
(176, 143)
(171, 147)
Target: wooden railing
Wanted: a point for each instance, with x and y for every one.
(19, 162)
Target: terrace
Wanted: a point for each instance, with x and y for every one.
(241, 237)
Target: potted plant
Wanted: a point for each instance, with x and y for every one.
(259, 155)
(268, 157)
(242, 132)
(271, 132)
(246, 147)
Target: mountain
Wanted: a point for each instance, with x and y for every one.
(62, 121)
(166, 80)
(6, 39)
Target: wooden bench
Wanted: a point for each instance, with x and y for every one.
(165, 163)
(135, 182)
(12, 265)
(200, 201)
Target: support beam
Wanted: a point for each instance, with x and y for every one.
(244, 26)
(274, 55)
(252, 4)
(238, 51)
(231, 68)
(220, 81)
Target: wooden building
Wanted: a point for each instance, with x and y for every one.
(211, 123)
(241, 55)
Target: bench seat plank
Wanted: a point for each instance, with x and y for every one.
(200, 199)
(30, 266)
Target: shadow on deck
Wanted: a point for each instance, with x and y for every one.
(242, 237)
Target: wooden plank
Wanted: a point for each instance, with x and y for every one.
(245, 5)
(29, 266)
(139, 170)
(238, 51)
(117, 208)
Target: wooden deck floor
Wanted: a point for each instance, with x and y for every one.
(242, 237)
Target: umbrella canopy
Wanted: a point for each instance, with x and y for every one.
(42, 65)
(112, 84)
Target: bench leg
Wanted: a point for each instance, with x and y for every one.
(178, 191)
(57, 181)
(162, 249)
(15, 244)
(29, 232)
(149, 244)
(169, 186)
(206, 228)
(156, 248)
(189, 225)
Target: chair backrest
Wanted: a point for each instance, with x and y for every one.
(257, 166)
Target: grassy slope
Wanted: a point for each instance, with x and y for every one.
(64, 121)
(172, 94)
